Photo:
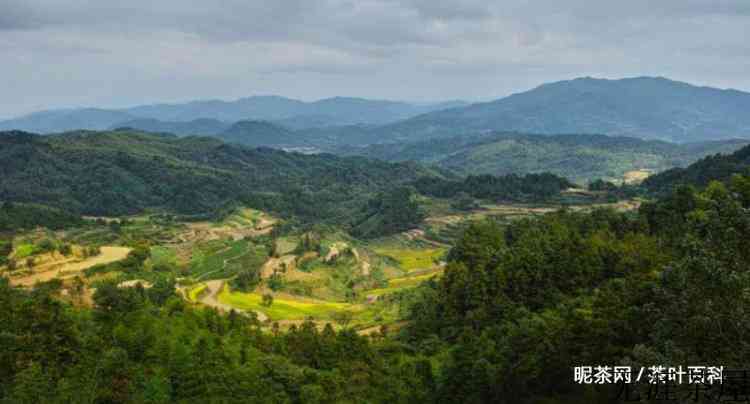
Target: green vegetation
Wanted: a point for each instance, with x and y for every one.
(24, 250)
(518, 295)
(163, 258)
(6, 248)
(405, 282)
(125, 172)
(528, 188)
(581, 158)
(390, 212)
(137, 347)
(221, 258)
(517, 300)
(19, 216)
(195, 292)
(719, 167)
(411, 259)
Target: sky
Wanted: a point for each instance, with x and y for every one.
(114, 53)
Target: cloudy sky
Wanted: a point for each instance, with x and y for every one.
(113, 53)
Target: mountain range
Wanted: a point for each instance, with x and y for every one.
(642, 107)
(298, 114)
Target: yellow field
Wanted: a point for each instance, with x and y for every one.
(636, 176)
(396, 284)
(413, 259)
(194, 293)
(284, 307)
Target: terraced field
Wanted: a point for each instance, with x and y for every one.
(286, 306)
(405, 282)
(70, 267)
(410, 259)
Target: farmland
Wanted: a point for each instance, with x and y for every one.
(322, 275)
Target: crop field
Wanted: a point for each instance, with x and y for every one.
(24, 250)
(284, 307)
(413, 259)
(195, 292)
(216, 259)
(285, 245)
(404, 282)
(71, 266)
(162, 255)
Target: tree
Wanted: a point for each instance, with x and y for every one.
(46, 245)
(267, 300)
(247, 280)
(78, 288)
(464, 202)
(32, 385)
(343, 318)
(161, 291)
(65, 249)
(276, 281)
(30, 262)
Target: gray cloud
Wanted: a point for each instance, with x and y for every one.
(112, 53)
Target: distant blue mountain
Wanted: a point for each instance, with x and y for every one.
(336, 111)
(203, 126)
(645, 107)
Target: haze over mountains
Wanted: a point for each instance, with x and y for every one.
(643, 107)
(330, 111)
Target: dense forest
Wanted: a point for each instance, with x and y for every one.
(514, 188)
(718, 167)
(125, 172)
(15, 216)
(519, 306)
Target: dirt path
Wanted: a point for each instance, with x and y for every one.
(273, 263)
(365, 264)
(211, 299)
(332, 253)
(68, 269)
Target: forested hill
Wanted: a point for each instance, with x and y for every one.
(260, 133)
(645, 107)
(123, 172)
(719, 167)
(578, 157)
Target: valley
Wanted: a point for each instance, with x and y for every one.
(374, 202)
(321, 274)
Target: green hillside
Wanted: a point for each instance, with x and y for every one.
(580, 158)
(124, 172)
(718, 167)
